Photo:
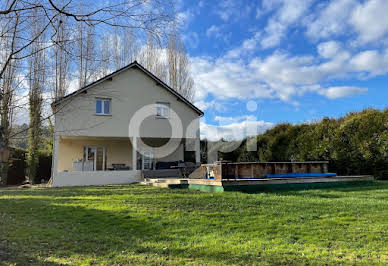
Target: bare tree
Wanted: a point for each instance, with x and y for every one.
(125, 47)
(130, 48)
(179, 67)
(105, 55)
(62, 58)
(150, 16)
(86, 53)
(151, 57)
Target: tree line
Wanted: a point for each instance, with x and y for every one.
(49, 46)
(356, 144)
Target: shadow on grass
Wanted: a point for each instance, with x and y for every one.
(62, 228)
(11, 256)
(47, 224)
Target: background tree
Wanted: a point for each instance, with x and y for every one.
(150, 57)
(36, 81)
(62, 58)
(86, 54)
(179, 66)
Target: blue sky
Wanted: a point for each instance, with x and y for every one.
(257, 63)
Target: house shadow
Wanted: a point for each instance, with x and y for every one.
(63, 227)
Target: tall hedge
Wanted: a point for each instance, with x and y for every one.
(18, 167)
(354, 144)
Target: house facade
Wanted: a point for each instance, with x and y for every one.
(127, 122)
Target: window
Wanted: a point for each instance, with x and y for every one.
(103, 106)
(162, 110)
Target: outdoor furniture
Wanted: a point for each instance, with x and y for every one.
(83, 166)
(119, 167)
(167, 165)
(185, 169)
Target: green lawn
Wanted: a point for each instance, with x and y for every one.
(136, 224)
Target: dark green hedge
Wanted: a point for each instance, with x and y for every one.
(355, 144)
(18, 167)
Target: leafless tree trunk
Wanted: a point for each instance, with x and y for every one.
(86, 53)
(105, 55)
(151, 58)
(125, 47)
(130, 48)
(179, 67)
(62, 58)
(8, 39)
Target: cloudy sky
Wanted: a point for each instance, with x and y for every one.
(257, 63)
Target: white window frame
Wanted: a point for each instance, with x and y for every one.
(103, 100)
(164, 110)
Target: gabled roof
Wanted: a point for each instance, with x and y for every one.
(133, 64)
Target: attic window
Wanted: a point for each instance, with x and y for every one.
(103, 106)
(162, 110)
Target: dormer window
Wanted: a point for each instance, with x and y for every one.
(103, 106)
(162, 110)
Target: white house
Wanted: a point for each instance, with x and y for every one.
(110, 130)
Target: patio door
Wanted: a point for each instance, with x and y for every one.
(95, 158)
(147, 158)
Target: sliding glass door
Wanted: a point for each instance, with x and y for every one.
(95, 158)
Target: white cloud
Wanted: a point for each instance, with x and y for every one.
(203, 105)
(233, 119)
(275, 31)
(343, 91)
(184, 18)
(329, 49)
(283, 76)
(371, 61)
(225, 79)
(246, 47)
(73, 86)
(331, 20)
(218, 105)
(233, 10)
(226, 9)
(191, 39)
(341, 17)
(234, 131)
(213, 31)
(241, 73)
(287, 14)
(370, 20)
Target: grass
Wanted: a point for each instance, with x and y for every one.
(134, 224)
